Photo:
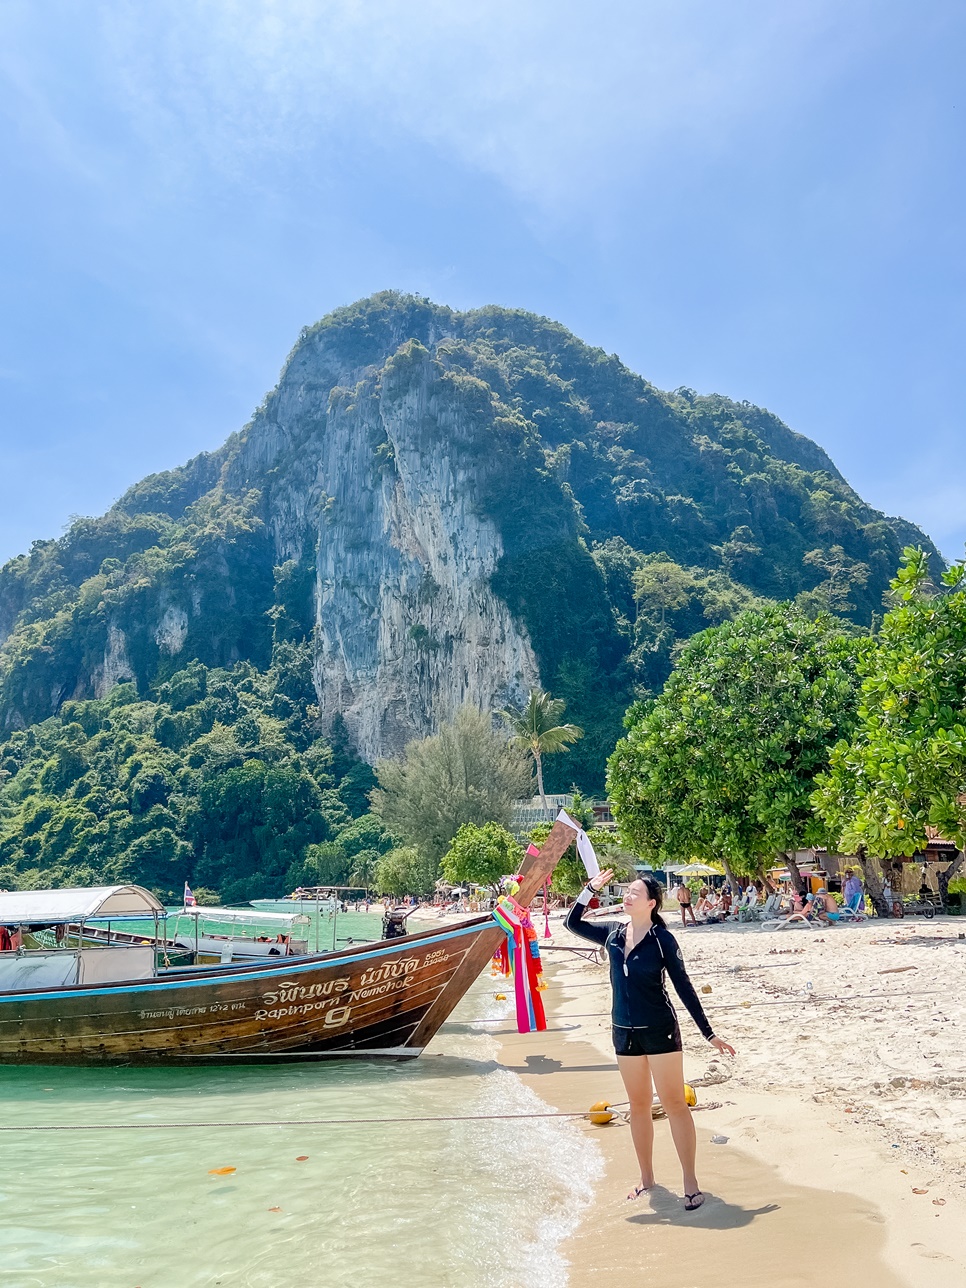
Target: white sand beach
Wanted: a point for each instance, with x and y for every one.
(844, 1111)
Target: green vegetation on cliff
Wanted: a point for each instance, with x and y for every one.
(628, 519)
(217, 777)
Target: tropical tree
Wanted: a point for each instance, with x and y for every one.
(363, 871)
(843, 576)
(323, 864)
(902, 772)
(467, 773)
(537, 731)
(405, 871)
(722, 765)
(482, 855)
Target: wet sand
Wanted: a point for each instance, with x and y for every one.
(798, 1196)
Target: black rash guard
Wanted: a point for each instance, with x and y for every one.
(640, 998)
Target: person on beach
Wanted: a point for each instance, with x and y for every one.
(683, 896)
(852, 891)
(825, 907)
(647, 1038)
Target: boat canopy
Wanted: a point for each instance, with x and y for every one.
(248, 915)
(88, 903)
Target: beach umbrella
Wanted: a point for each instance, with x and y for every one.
(697, 870)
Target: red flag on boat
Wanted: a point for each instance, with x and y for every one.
(189, 900)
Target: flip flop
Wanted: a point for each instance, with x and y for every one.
(637, 1191)
(689, 1203)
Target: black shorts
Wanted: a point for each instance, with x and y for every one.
(657, 1039)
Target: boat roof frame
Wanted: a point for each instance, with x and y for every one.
(77, 905)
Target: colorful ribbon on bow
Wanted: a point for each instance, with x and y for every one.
(519, 956)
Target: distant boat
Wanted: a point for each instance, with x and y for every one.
(113, 1005)
(288, 905)
(312, 898)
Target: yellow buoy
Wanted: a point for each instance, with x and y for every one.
(690, 1095)
(600, 1113)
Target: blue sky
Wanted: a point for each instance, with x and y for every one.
(763, 199)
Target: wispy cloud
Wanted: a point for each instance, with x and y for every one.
(557, 99)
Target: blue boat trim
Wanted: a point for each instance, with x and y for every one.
(144, 986)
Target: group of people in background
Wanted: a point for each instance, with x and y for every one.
(712, 907)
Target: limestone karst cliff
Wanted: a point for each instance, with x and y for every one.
(448, 507)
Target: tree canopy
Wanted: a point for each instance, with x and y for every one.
(902, 770)
(722, 765)
(481, 855)
(405, 870)
(219, 777)
(467, 773)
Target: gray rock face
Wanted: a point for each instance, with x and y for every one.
(172, 630)
(407, 627)
(116, 667)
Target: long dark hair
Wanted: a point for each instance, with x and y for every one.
(655, 891)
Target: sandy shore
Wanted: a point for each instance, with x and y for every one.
(844, 1112)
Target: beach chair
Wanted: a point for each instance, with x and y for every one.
(748, 906)
(769, 908)
(782, 923)
(850, 914)
(757, 911)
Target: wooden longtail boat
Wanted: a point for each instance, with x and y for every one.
(388, 998)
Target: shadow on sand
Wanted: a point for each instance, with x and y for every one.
(546, 1064)
(713, 1214)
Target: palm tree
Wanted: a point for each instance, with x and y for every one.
(537, 731)
(364, 869)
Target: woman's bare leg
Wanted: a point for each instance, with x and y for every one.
(637, 1082)
(668, 1074)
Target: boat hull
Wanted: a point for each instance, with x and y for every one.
(381, 998)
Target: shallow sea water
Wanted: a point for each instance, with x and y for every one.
(412, 1205)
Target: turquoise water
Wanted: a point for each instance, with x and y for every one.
(412, 1205)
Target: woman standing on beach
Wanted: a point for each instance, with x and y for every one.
(646, 1034)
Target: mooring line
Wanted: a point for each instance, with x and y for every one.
(318, 1122)
(724, 970)
(288, 1122)
(809, 1000)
